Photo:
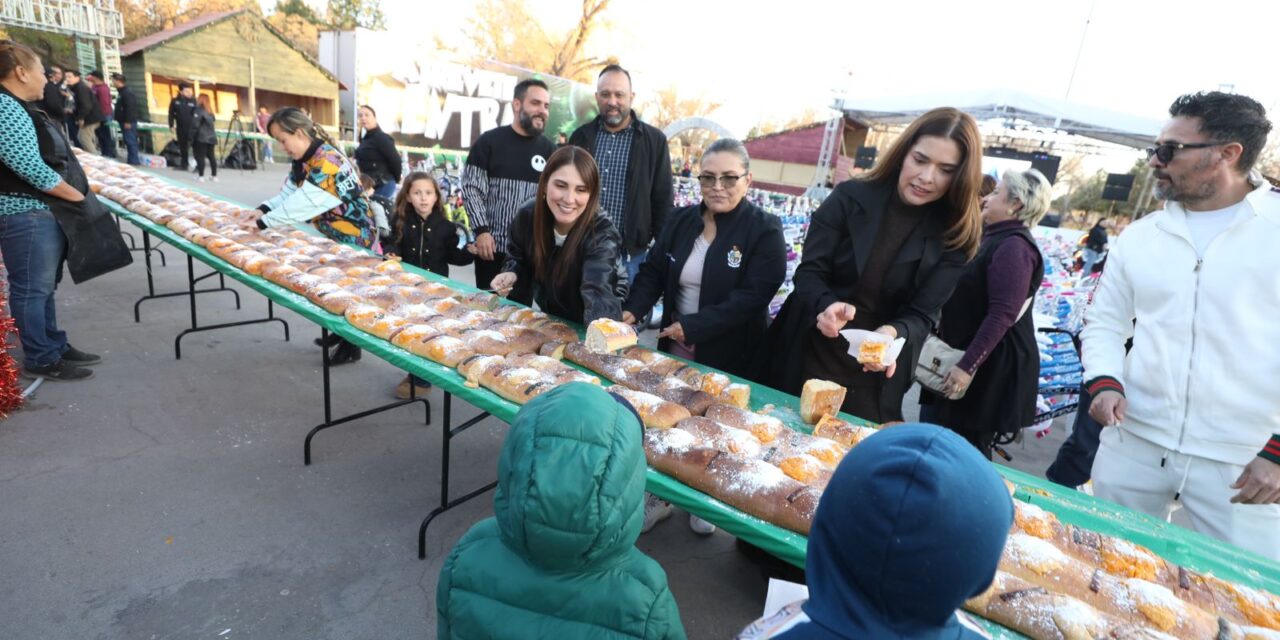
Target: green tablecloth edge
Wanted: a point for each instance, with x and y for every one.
(1175, 544)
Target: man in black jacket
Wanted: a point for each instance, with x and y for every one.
(182, 117)
(88, 115)
(635, 165)
(127, 116)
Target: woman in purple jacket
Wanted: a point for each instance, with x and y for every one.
(989, 317)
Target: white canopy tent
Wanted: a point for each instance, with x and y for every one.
(1003, 104)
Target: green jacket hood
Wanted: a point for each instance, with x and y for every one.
(571, 480)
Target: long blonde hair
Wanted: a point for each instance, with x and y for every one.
(964, 219)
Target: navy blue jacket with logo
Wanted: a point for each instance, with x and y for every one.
(744, 267)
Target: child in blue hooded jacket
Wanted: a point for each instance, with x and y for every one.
(912, 524)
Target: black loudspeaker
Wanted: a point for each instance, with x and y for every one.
(865, 158)
(1118, 187)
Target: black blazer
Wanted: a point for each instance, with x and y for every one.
(431, 244)
(649, 199)
(841, 235)
(592, 289)
(744, 266)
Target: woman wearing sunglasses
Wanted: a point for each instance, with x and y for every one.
(883, 254)
(717, 264)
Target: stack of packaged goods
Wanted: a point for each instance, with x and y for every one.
(1059, 315)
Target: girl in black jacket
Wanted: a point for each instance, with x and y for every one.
(717, 264)
(562, 252)
(424, 237)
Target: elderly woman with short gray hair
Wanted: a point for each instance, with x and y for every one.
(717, 265)
(992, 390)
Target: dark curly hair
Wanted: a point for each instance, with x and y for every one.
(1228, 117)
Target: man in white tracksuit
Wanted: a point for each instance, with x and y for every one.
(1194, 409)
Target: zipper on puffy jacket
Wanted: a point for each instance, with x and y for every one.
(1191, 359)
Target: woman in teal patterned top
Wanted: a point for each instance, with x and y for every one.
(31, 241)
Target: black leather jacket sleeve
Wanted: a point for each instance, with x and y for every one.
(519, 257)
(602, 258)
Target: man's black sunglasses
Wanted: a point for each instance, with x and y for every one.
(1165, 152)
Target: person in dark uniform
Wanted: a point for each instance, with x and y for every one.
(182, 118)
(883, 254)
(992, 390)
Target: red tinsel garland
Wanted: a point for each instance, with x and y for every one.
(10, 391)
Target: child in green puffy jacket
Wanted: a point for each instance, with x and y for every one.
(558, 559)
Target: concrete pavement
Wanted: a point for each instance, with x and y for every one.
(167, 498)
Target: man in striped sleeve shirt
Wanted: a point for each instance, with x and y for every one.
(1191, 413)
(502, 173)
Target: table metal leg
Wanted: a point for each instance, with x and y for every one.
(195, 323)
(329, 422)
(447, 433)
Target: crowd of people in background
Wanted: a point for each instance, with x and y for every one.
(916, 249)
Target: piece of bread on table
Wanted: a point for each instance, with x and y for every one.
(414, 312)
(410, 334)
(752, 486)
(362, 316)
(474, 366)
(487, 341)
(437, 290)
(517, 384)
(717, 436)
(715, 383)
(806, 469)
(557, 331)
(827, 451)
(523, 339)
(737, 394)
(658, 363)
(552, 349)
(608, 336)
(819, 398)
(655, 412)
(527, 316)
(847, 434)
(338, 301)
(483, 300)
(446, 350)
(447, 325)
(766, 428)
(613, 368)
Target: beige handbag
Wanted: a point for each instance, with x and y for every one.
(936, 359)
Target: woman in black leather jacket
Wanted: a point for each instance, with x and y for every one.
(563, 254)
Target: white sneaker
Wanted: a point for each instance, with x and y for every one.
(700, 526)
(201, 179)
(215, 178)
(655, 511)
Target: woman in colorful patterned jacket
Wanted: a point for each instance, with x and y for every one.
(323, 189)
